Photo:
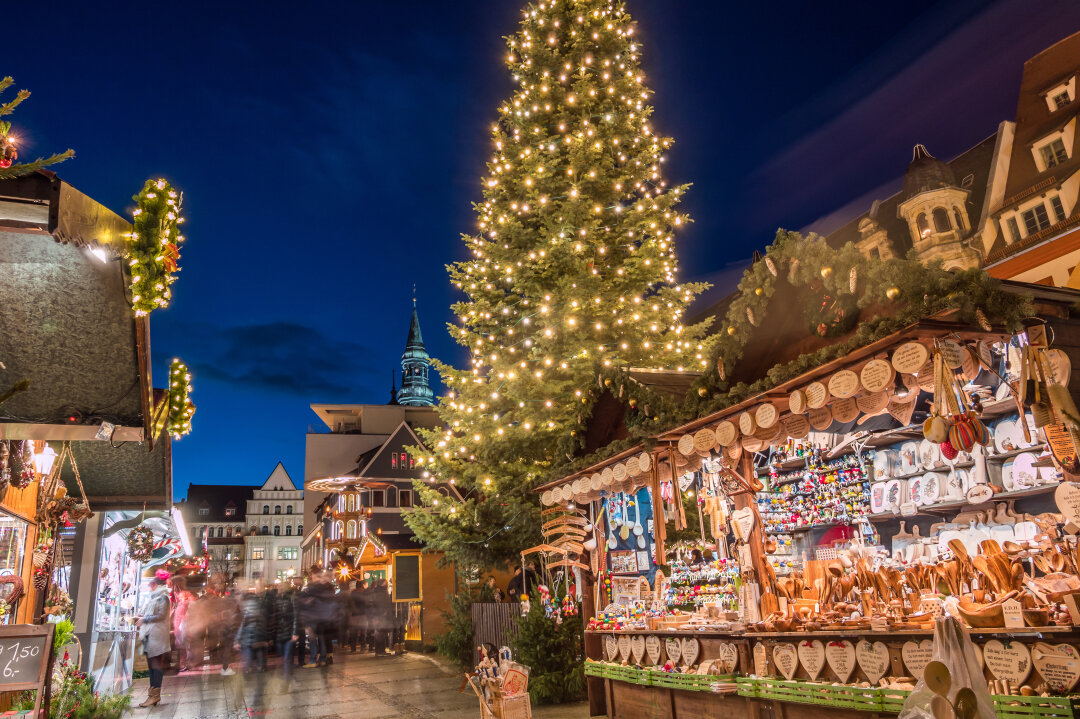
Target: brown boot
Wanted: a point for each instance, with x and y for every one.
(152, 697)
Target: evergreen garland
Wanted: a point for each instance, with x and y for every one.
(181, 408)
(153, 245)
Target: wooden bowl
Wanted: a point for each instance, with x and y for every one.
(1036, 617)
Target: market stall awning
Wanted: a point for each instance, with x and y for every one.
(70, 328)
(122, 477)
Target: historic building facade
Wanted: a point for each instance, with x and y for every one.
(1008, 204)
(276, 526)
(216, 516)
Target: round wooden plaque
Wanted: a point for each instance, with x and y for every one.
(909, 357)
(843, 384)
(686, 444)
(766, 415)
(926, 376)
(752, 444)
(797, 402)
(546, 499)
(733, 453)
(644, 461)
(595, 484)
(726, 434)
(817, 395)
(618, 472)
(704, 441)
(632, 468)
(797, 426)
(769, 434)
(876, 375)
(747, 425)
(607, 476)
(845, 410)
(820, 418)
(872, 402)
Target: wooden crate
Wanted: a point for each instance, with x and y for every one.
(1016, 707)
(515, 707)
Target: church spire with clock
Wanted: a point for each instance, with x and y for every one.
(415, 365)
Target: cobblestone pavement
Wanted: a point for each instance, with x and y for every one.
(355, 686)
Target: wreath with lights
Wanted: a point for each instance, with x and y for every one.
(153, 246)
(140, 543)
(181, 408)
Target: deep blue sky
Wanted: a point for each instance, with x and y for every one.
(329, 153)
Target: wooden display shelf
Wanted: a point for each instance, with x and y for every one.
(961, 504)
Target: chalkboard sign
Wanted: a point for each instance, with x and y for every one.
(25, 659)
(407, 578)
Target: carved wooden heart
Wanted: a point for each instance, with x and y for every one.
(873, 659)
(917, 655)
(652, 649)
(673, 649)
(841, 658)
(624, 647)
(786, 658)
(979, 655)
(1008, 661)
(611, 648)
(1058, 664)
(761, 660)
(637, 648)
(744, 521)
(812, 657)
(13, 591)
(691, 649)
(729, 658)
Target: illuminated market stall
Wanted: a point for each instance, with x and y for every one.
(902, 450)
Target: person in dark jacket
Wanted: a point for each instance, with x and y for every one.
(319, 616)
(382, 616)
(252, 639)
(355, 604)
(284, 630)
(522, 582)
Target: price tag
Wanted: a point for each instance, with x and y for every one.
(1014, 619)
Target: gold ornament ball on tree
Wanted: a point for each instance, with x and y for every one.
(702, 391)
(731, 330)
(759, 291)
(826, 272)
(892, 293)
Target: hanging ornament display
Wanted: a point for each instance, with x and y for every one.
(40, 579)
(140, 543)
(22, 463)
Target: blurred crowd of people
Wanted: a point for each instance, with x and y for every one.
(302, 622)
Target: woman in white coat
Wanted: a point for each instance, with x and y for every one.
(154, 635)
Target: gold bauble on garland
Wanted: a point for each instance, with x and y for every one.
(826, 272)
(892, 293)
(702, 391)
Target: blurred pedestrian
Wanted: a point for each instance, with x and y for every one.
(154, 627)
(355, 604)
(284, 633)
(382, 616)
(182, 601)
(251, 639)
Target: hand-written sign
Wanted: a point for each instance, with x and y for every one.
(25, 660)
(1008, 661)
(1067, 498)
(1058, 665)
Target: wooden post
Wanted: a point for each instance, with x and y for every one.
(756, 540)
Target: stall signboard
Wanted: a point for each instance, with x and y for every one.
(26, 653)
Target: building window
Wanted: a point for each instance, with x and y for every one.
(277, 530)
(1014, 230)
(959, 219)
(1060, 100)
(265, 529)
(204, 511)
(220, 534)
(350, 532)
(405, 498)
(923, 225)
(277, 509)
(1053, 153)
(350, 503)
(339, 529)
(1059, 211)
(299, 529)
(391, 497)
(1036, 219)
(941, 220)
(230, 511)
(288, 509)
(377, 498)
(288, 530)
(266, 509)
(287, 553)
(393, 460)
(258, 552)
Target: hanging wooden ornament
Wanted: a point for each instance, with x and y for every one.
(770, 265)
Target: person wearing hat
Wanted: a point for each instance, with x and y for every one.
(154, 634)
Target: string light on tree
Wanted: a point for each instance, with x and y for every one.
(572, 271)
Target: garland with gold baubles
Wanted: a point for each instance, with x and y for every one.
(153, 245)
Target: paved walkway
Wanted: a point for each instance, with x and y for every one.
(355, 686)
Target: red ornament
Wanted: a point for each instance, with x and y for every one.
(947, 450)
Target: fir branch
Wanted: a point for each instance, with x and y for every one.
(26, 168)
(20, 386)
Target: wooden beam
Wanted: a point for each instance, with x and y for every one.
(61, 432)
(659, 528)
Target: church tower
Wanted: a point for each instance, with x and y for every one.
(415, 364)
(934, 207)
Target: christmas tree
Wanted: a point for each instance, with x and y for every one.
(572, 270)
(8, 150)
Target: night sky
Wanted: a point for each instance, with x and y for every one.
(329, 153)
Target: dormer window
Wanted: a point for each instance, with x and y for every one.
(1036, 219)
(230, 510)
(1061, 95)
(1053, 153)
(204, 511)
